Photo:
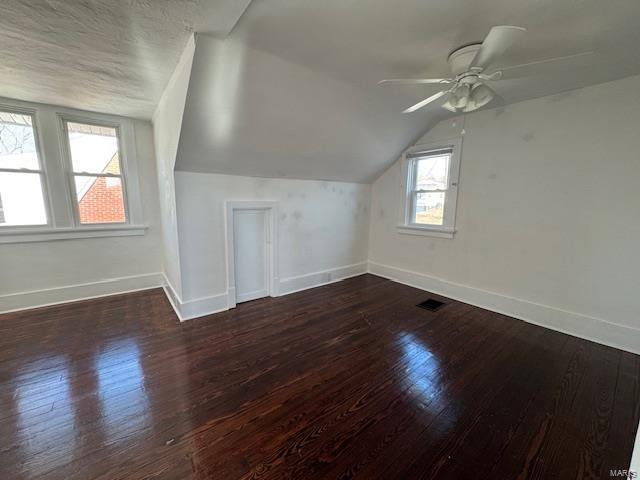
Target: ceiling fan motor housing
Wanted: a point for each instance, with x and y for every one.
(468, 78)
(460, 59)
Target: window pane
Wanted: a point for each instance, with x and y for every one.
(94, 149)
(17, 142)
(100, 199)
(432, 173)
(430, 208)
(21, 199)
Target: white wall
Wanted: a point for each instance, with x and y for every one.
(321, 226)
(167, 125)
(52, 266)
(548, 204)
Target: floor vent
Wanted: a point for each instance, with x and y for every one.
(431, 304)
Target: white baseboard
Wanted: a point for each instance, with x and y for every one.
(231, 297)
(199, 307)
(187, 310)
(247, 297)
(73, 293)
(316, 279)
(576, 324)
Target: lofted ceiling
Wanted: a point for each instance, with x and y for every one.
(250, 112)
(292, 91)
(112, 56)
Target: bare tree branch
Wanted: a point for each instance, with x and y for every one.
(15, 139)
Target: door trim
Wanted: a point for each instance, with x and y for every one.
(271, 209)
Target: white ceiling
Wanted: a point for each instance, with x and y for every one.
(112, 56)
(249, 112)
(292, 91)
(362, 41)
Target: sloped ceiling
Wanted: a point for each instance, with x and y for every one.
(292, 91)
(111, 56)
(249, 112)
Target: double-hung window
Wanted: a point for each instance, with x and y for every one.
(22, 197)
(66, 174)
(430, 189)
(96, 169)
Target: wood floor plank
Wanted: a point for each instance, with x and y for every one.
(348, 380)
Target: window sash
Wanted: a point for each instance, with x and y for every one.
(415, 160)
(73, 174)
(76, 201)
(414, 192)
(88, 174)
(411, 190)
(21, 170)
(66, 120)
(435, 190)
(40, 170)
(34, 129)
(414, 208)
(433, 152)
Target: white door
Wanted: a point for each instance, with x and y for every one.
(250, 249)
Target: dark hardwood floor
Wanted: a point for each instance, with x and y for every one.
(342, 381)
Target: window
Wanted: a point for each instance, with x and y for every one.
(430, 190)
(66, 174)
(430, 185)
(98, 181)
(22, 200)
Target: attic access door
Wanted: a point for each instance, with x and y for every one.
(251, 254)
(251, 250)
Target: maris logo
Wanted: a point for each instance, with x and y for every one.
(628, 474)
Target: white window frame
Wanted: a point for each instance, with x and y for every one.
(41, 170)
(57, 176)
(65, 119)
(410, 159)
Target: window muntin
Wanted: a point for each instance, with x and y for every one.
(98, 179)
(429, 187)
(48, 167)
(21, 174)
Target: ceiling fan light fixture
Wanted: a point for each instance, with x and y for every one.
(460, 96)
(449, 105)
(480, 96)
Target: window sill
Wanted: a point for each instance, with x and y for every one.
(439, 232)
(48, 234)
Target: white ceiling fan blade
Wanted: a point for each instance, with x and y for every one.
(492, 76)
(424, 102)
(534, 68)
(498, 40)
(414, 81)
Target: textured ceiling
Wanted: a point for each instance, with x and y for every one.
(292, 91)
(112, 56)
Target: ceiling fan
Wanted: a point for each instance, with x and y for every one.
(468, 90)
